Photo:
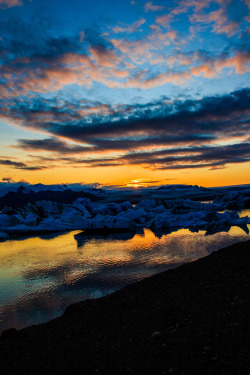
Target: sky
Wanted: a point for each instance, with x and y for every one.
(125, 92)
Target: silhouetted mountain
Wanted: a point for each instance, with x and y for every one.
(19, 199)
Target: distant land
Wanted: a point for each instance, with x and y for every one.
(32, 209)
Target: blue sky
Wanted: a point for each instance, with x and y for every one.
(147, 85)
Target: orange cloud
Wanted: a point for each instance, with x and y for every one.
(198, 5)
(52, 74)
(138, 51)
(154, 8)
(162, 38)
(203, 69)
(247, 2)
(129, 29)
(219, 18)
(104, 57)
(10, 3)
(239, 62)
(180, 59)
(145, 50)
(159, 80)
(221, 23)
(164, 20)
(73, 68)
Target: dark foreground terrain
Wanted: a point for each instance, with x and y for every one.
(200, 310)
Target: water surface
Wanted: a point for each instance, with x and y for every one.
(41, 276)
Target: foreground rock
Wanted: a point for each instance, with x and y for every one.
(190, 320)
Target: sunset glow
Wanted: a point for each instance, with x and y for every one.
(129, 93)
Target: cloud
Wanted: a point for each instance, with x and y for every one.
(199, 12)
(239, 62)
(165, 20)
(156, 117)
(41, 61)
(23, 76)
(10, 3)
(144, 82)
(184, 6)
(20, 165)
(179, 59)
(199, 157)
(221, 23)
(37, 59)
(53, 145)
(205, 70)
(212, 157)
(160, 134)
(104, 56)
(100, 146)
(12, 163)
(34, 60)
(8, 179)
(164, 38)
(153, 8)
(247, 2)
(130, 28)
(148, 49)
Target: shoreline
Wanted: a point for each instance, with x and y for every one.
(200, 309)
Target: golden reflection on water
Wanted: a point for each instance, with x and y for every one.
(236, 231)
(39, 277)
(17, 257)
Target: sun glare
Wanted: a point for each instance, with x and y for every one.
(136, 183)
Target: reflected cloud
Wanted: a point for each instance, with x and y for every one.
(83, 237)
(40, 277)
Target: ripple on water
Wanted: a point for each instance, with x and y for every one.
(40, 277)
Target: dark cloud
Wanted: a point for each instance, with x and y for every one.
(35, 38)
(52, 145)
(96, 40)
(191, 118)
(203, 119)
(37, 56)
(20, 165)
(12, 163)
(178, 134)
(102, 145)
(34, 168)
(8, 179)
(214, 157)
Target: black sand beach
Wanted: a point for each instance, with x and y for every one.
(191, 320)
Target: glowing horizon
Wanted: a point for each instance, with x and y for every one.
(154, 92)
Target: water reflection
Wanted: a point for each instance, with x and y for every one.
(41, 276)
(83, 237)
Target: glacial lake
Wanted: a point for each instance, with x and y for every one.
(41, 276)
